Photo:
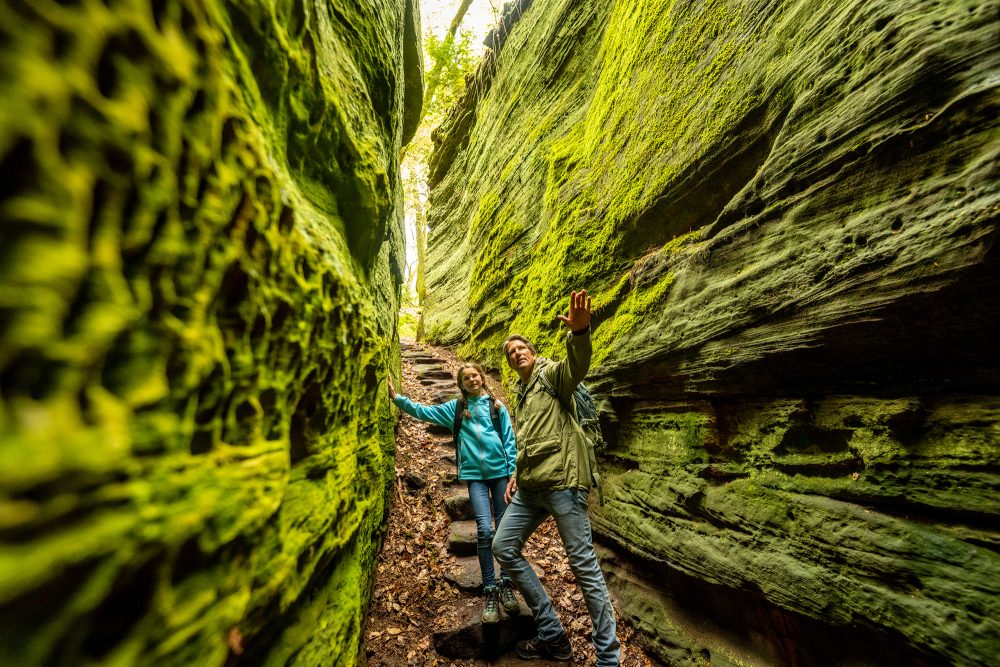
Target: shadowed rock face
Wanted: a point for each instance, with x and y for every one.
(199, 210)
(787, 214)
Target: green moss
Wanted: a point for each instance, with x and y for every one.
(199, 303)
(632, 313)
(603, 164)
(667, 439)
(493, 233)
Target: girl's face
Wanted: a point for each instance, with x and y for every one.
(472, 381)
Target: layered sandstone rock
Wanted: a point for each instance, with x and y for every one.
(201, 244)
(787, 213)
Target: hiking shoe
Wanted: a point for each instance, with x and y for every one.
(491, 609)
(507, 599)
(533, 649)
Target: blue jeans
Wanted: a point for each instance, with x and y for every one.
(568, 507)
(479, 497)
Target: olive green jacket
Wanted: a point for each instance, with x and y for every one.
(552, 451)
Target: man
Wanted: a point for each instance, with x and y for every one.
(555, 471)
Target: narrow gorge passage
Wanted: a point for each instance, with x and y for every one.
(787, 213)
(427, 602)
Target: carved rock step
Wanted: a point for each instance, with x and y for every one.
(470, 638)
(466, 575)
(432, 372)
(441, 390)
(462, 540)
(421, 357)
(443, 395)
(457, 505)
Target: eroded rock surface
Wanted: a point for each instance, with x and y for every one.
(786, 211)
(202, 248)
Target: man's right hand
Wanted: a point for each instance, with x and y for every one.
(392, 390)
(511, 490)
(578, 317)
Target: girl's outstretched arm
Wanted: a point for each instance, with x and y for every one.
(442, 415)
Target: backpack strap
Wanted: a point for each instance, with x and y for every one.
(550, 390)
(495, 416)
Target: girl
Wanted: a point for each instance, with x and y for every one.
(484, 453)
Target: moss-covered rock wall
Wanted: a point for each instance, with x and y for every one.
(201, 247)
(787, 213)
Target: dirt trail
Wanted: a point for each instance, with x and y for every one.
(426, 605)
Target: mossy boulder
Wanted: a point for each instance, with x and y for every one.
(202, 251)
(787, 214)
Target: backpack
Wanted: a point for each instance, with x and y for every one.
(585, 414)
(460, 406)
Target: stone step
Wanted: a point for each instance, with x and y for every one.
(432, 372)
(468, 637)
(443, 395)
(421, 357)
(440, 384)
(466, 575)
(462, 538)
(458, 506)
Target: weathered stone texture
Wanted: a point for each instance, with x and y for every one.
(787, 213)
(201, 251)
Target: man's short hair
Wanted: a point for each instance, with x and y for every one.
(520, 338)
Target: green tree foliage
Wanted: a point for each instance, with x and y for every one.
(453, 58)
(450, 58)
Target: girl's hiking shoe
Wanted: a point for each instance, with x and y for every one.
(491, 609)
(534, 649)
(507, 599)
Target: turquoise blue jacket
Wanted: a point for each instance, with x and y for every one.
(482, 452)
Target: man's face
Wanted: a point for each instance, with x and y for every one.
(519, 356)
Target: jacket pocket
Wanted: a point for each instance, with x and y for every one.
(542, 463)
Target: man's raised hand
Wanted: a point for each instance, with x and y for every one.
(579, 311)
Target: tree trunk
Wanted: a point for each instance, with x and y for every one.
(421, 223)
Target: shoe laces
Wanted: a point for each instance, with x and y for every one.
(492, 600)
